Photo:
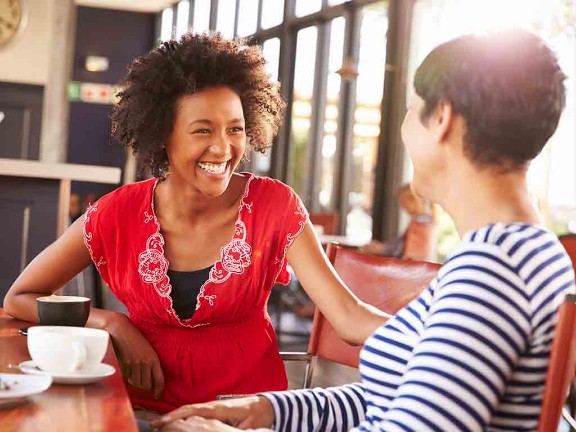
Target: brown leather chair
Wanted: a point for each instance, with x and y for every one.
(387, 283)
(560, 369)
(569, 243)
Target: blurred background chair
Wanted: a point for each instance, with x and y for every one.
(387, 283)
(327, 221)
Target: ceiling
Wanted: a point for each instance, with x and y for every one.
(129, 5)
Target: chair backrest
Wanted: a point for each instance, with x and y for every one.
(561, 366)
(328, 221)
(387, 283)
(569, 243)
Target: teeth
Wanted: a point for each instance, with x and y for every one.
(213, 168)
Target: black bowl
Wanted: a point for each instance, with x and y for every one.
(63, 310)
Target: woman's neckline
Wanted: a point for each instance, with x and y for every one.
(501, 225)
(240, 208)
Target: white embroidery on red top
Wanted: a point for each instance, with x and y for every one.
(152, 265)
(88, 236)
(235, 258)
(290, 237)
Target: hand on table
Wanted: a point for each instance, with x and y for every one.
(198, 424)
(139, 362)
(244, 413)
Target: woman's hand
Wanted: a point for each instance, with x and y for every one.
(198, 424)
(139, 362)
(244, 413)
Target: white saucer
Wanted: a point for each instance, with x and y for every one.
(104, 370)
(22, 386)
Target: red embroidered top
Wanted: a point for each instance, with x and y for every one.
(229, 345)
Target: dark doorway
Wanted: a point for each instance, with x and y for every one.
(20, 120)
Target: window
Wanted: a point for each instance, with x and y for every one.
(331, 115)
(552, 175)
(308, 155)
(182, 14)
(201, 21)
(166, 30)
(272, 13)
(307, 7)
(302, 109)
(271, 50)
(247, 17)
(366, 130)
(226, 14)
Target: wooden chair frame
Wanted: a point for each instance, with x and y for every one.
(560, 368)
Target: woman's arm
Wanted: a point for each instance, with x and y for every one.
(340, 306)
(336, 409)
(474, 332)
(51, 270)
(48, 272)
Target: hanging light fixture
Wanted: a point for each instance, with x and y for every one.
(348, 70)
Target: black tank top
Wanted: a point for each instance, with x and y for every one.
(185, 289)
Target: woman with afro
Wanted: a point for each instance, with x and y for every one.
(194, 251)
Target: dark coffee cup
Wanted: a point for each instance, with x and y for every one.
(63, 310)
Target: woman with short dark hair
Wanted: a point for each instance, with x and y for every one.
(471, 352)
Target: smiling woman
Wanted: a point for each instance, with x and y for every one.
(156, 83)
(194, 252)
(208, 140)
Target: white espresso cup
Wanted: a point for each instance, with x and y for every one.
(63, 350)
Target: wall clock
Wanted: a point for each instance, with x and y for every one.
(12, 19)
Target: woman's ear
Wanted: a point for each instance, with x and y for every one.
(443, 120)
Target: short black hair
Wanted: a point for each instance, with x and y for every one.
(507, 86)
(144, 116)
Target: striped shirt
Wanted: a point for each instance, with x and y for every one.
(469, 354)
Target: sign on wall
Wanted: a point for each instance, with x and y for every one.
(93, 93)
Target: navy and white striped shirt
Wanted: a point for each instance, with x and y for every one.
(469, 354)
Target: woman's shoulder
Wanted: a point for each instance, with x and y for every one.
(269, 188)
(266, 182)
(521, 254)
(126, 198)
(514, 240)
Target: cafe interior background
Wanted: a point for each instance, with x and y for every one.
(345, 69)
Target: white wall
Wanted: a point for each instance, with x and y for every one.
(26, 58)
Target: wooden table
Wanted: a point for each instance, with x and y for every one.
(103, 406)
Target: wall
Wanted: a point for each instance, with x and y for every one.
(25, 59)
(120, 36)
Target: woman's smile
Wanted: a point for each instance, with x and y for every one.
(214, 168)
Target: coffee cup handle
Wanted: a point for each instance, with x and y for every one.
(80, 354)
